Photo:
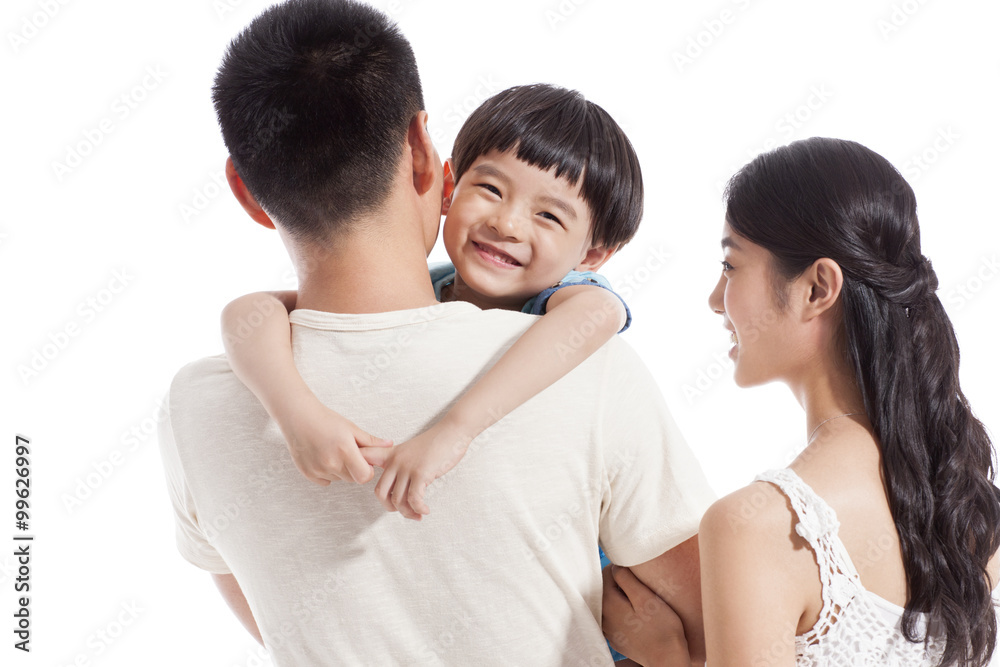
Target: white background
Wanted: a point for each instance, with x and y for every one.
(916, 82)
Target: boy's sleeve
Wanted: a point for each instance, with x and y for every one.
(655, 492)
(192, 541)
(537, 305)
(441, 274)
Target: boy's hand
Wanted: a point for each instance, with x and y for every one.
(327, 447)
(638, 623)
(410, 467)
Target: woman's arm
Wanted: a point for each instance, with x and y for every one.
(754, 585)
(579, 320)
(639, 624)
(257, 338)
(756, 573)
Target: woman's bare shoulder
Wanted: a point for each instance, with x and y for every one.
(759, 516)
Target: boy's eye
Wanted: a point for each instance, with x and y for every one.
(489, 188)
(549, 216)
(726, 266)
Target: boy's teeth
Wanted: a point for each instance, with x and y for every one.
(734, 338)
(503, 258)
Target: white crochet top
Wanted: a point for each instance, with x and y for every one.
(855, 626)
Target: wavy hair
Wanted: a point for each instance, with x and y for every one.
(837, 199)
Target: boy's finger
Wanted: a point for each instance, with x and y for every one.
(358, 468)
(400, 496)
(416, 497)
(376, 456)
(384, 488)
(364, 439)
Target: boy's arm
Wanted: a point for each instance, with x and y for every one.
(324, 445)
(579, 320)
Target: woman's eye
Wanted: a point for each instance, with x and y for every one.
(726, 266)
(549, 216)
(489, 188)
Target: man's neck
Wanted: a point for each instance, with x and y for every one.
(364, 274)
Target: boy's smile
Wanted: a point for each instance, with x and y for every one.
(513, 230)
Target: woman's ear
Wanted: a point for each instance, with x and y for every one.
(595, 258)
(243, 196)
(822, 282)
(449, 186)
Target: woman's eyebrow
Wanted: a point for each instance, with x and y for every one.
(730, 242)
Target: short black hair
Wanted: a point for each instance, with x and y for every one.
(547, 126)
(314, 99)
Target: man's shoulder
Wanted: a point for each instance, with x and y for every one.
(200, 371)
(203, 385)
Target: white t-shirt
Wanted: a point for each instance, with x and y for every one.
(504, 570)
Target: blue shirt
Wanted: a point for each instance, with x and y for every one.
(443, 275)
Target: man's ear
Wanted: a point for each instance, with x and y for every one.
(449, 186)
(423, 157)
(821, 285)
(595, 258)
(244, 197)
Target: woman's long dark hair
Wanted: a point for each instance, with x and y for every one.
(837, 199)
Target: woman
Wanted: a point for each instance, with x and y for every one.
(878, 544)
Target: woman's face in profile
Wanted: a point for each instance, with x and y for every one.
(762, 330)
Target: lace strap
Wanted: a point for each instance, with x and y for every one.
(817, 520)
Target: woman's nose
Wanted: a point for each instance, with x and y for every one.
(715, 301)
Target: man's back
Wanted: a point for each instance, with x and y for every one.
(505, 568)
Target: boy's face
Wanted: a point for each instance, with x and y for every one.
(513, 230)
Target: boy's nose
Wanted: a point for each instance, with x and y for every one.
(507, 226)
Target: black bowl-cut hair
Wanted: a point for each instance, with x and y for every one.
(551, 127)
